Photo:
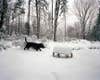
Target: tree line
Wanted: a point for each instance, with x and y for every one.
(34, 18)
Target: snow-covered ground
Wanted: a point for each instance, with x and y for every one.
(17, 64)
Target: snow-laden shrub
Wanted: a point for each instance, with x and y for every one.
(19, 40)
(2, 47)
(32, 38)
(62, 52)
(2, 35)
(18, 43)
(59, 49)
(15, 37)
(95, 45)
(5, 44)
(79, 44)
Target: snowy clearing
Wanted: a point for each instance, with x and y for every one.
(17, 64)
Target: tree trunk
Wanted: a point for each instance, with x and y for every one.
(38, 27)
(28, 18)
(2, 20)
(52, 14)
(8, 26)
(19, 25)
(52, 19)
(55, 29)
(83, 30)
(3, 12)
(56, 18)
(65, 34)
(38, 19)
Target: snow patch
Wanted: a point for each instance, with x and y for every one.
(64, 50)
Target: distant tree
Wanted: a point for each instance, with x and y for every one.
(40, 4)
(77, 28)
(15, 10)
(8, 18)
(59, 6)
(51, 21)
(19, 10)
(71, 31)
(3, 11)
(96, 29)
(50, 25)
(85, 11)
(38, 18)
(64, 10)
(52, 13)
(27, 24)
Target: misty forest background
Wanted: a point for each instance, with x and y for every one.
(49, 19)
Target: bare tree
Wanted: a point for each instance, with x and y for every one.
(57, 8)
(64, 10)
(3, 11)
(27, 25)
(84, 10)
(52, 14)
(60, 8)
(77, 29)
(17, 10)
(71, 31)
(37, 15)
(40, 5)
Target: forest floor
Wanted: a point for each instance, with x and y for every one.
(19, 64)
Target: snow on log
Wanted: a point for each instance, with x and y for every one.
(62, 52)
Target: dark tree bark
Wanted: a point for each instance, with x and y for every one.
(57, 6)
(38, 18)
(52, 14)
(2, 20)
(3, 12)
(28, 19)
